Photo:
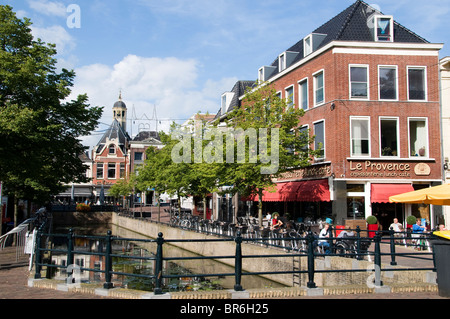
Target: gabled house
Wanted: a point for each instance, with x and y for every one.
(370, 90)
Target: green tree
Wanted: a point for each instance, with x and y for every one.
(39, 129)
(283, 147)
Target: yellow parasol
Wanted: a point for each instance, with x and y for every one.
(437, 195)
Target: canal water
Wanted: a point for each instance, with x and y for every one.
(141, 267)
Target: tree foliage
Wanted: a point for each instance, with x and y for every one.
(39, 130)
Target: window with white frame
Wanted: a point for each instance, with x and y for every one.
(122, 170)
(387, 82)
(112, 149)
(303, 135)
(384, 28)
(418, 137)
(99, 170)
(112, 170)
(389, 137)
(360, 136)
(319, 88)
(303, 94)
(290, 96)
(319, 139)
(359, 82)
(307, 45)
(282, 61)
(417, 84)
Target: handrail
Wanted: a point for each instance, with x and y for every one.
(158, 258)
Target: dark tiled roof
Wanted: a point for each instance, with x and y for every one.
(144, 135)
(114, 132)
(352, 25)
(238, 89)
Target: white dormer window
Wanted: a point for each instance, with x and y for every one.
(224, 104)
(312, 42)
(226, 101)
(261, 75)
(307, 45)
(282, 61)
(384, 28)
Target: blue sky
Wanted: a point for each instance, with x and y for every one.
(178, 56)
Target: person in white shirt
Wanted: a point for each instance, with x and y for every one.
(325, 233)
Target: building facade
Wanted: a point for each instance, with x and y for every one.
(445, 100)
(370, 91)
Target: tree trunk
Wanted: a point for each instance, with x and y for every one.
(260, 207)
(159, 208)
(204, 207)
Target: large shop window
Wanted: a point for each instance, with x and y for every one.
(319, 141)
(359, 82)
(387, 78)
(418, 137)
(360, 136)
(389, 137)
(416, 84)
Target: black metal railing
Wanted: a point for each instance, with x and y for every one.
(356, 247)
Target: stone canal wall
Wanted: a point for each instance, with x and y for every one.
(81, 218)
(270, 264)
(151, 229)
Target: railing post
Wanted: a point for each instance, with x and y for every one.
(377, 260)
(159, 264)
(358, 244)
(38, 257)
(70, 257)
(108, 262)
(310, 240)
(392, 243)
(238, 263)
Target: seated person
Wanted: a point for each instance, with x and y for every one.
(276, 222)
(325, 233)
(346, 233)
(418, 228)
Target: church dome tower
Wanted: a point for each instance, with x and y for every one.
(120, 112)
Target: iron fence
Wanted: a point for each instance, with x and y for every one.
(355, 247)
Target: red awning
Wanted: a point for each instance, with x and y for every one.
(382, 192)
(306, 191)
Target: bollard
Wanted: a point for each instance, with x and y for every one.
(310, 240)
(38, 257)
(159, 264)
(108, 262)
(70, 257)
(392, 244)
(358, 244)
(238, 263)
(377, 260)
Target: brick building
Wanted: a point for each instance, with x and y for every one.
(370, 91)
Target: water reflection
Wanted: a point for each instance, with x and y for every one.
(140, 268)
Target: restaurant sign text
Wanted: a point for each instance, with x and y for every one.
(377, 169)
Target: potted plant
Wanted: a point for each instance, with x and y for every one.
(411, 220)
(372, 225)
(83, 208)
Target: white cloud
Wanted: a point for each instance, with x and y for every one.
(49, 8)
(56, 34)
(168, 84)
